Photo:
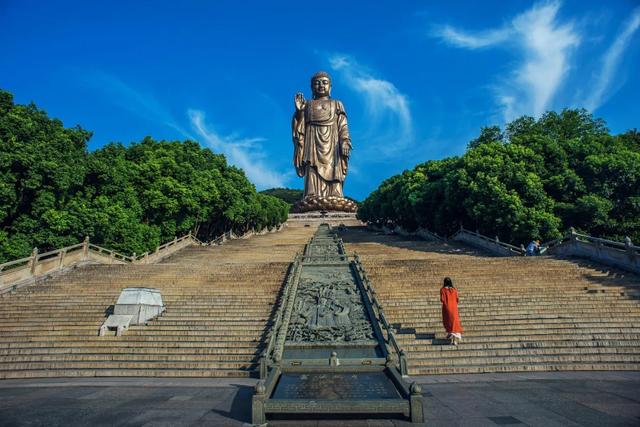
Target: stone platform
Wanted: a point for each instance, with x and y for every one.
(535, 399)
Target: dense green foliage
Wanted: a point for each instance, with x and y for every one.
(536, 178)
(289, 195)
(53, 192)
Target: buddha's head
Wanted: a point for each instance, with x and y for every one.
(321, 84)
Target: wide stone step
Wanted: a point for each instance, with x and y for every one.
(243, 351)
(525, 367)
(461, 352)
(131, 338)
(82, 343)
(152, 357)
(439, 346)
(150, 328)
(529, 359)
(176, 371)
(473, 325)
(147, 364)
(406, 339)
(8, 336)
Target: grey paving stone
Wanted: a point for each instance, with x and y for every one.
(584, 415)
(506, 420)
(567, 401)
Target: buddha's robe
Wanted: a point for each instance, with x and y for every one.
(319, 133)
(450, 317)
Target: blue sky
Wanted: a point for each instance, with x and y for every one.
(418, 79)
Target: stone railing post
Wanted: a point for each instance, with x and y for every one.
(33, 262)
(415, 403)
(133, 258)
(257, 406)
(263, 368)
(572, 234)
(61, 255)
(146, 258)
(404, 368)
(85, 248)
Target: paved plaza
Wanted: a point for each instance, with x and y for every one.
(534, 399)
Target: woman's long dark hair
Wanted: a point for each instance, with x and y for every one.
(448, 283)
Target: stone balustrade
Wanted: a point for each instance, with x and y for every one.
(624, 255)
(25, 271)
(494, 245)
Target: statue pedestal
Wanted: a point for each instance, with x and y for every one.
(324, 203)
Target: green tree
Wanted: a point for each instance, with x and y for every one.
(53, 192)
(535, 179)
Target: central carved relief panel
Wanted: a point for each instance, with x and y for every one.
(329, 309)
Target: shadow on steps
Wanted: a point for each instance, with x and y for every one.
(361, 234)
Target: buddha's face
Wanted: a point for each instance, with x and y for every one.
(321, 87)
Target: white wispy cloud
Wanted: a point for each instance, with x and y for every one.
(611, 60)
(472, 41)
(245, 153)
(388, 113)
(545, 46)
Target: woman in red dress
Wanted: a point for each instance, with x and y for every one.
(450, 318)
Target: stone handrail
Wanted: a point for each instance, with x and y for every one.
(492, 245)
(624, 255)
(116, 256)
(420, 232)
(25, 271)
(268, 352)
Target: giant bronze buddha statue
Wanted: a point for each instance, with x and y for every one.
(321, 148)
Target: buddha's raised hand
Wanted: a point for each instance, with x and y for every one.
(299, 101)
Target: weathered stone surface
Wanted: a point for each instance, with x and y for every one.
(329, 309)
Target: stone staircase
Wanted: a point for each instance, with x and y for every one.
(519, 314)
(219, 301)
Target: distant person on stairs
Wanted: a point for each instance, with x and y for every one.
(533, 249)
(450, 318)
